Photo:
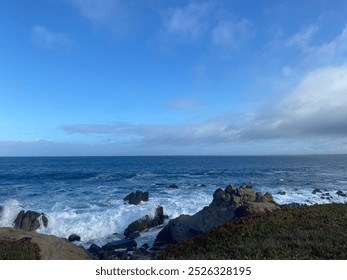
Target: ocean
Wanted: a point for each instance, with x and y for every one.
(84, 195)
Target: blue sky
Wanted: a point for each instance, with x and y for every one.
(184, 77)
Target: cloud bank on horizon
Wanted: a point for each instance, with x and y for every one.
(208, 77)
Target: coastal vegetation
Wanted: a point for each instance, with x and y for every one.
(305, 232)
(18, 250)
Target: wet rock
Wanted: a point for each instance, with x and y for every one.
(136, 197)
(133, 235)
(30, 220)
(341, 193)
(316, 190)
(119, 244)
(326, 196)
(282, 193)
(74, 237)
(173, 186)
(146, 222)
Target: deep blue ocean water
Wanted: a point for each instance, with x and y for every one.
(84, 195)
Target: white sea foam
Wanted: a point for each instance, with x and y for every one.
(10, 210)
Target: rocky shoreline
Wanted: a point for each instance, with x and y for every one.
(227, 205)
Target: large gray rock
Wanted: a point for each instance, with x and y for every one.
(146, 222)
(226, 205)
(30, 220)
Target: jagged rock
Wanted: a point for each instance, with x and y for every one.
(136, 197)
(30, 220)
(146, 222)
(74, 237)
(226, 205)
(282, 193)
(339, 193)
(316, 190)
(326, 196)
(173, 186)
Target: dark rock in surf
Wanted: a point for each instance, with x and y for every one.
(146, 222)
(133, 235)
(226, 205)
(316, 190)
(74, 237)
(326, 196)
(119, 244)
(339, 193)
(136, 197)
(173, 186)
(282, 193)
(30, 220)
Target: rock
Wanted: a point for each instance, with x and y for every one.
(136, 197)
(226, 205)
(133, 235)
(95, 250)
(146, 222)
(119, 244)
(141, 254)
(326, 196)
(339, 193)
(74, 237)
(51, 247)
(173, 186)
(316, 190)
(282, 193)
(30, 220)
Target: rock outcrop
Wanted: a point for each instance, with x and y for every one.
(136, 197)
(51, 247)
(226, 205)
(30, 220)
(146, 222)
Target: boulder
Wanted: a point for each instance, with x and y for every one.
(74, 237)
(339, 193)
(50, 247)
(316, 190)
(30, 220)
(119, 244)
(136, 197)
(226, 205)
(146, 222)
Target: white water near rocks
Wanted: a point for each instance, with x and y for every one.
(85, 195)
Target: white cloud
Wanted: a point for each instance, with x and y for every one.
(110, 14)
(232, 33)
(316, 108)
(189, 21)
(329, 52)
(302, 39)
(46, 39)
(312, 119)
